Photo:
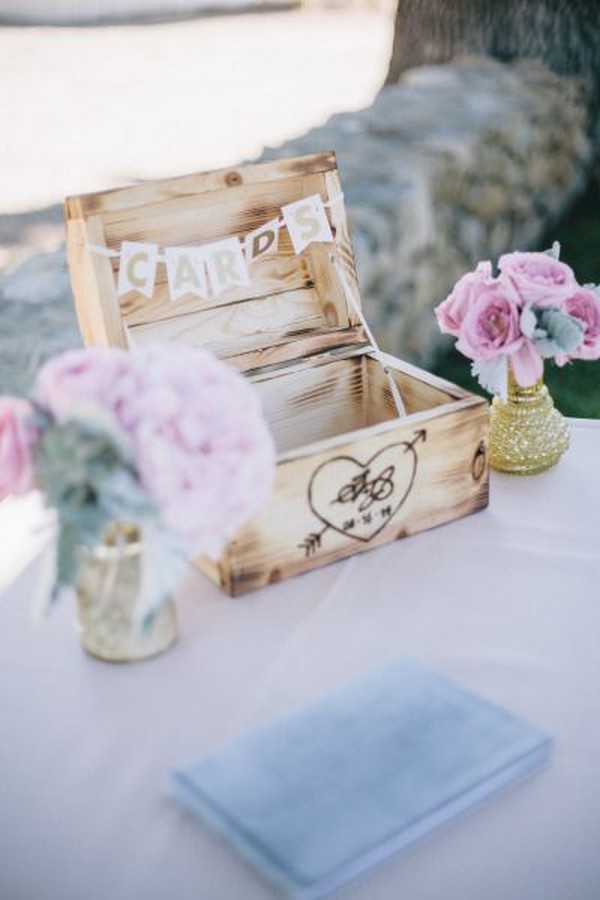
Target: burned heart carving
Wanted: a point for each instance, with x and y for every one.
(359, 499)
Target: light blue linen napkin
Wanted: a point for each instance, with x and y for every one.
(317, 796)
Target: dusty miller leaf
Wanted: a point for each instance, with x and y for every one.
(492, 375)
(557, 332)
(554, 250)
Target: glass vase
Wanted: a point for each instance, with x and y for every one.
(107, 590)
(527, 433)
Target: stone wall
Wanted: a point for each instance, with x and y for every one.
(457, 163)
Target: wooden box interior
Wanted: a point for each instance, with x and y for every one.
(309, 403)
(294, 305)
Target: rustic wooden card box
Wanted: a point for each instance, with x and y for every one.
(351, 474)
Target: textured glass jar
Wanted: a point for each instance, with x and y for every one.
(107, 592)
(527, 433)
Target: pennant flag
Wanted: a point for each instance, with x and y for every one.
(262, 240)
(226, 264)
(137, 271)
(185, 272)
(306, 221)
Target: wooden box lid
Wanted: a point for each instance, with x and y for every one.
(294, 304)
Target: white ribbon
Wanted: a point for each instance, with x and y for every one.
(351, 300)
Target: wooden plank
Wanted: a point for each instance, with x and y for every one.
(314, 403)
(239, 325)
(418, 389)
(320, 257)
(435, 473)
(93, 284)
(159, 190)
(275, 276)
(248, 350)
(202, 216)
(296, 346)
(436, 382)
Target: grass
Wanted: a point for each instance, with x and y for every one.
(576, 387)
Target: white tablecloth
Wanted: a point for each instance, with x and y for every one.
(507, 602)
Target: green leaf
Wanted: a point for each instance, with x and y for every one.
(492, 375)
(560, 333)
(84, 466)
(554, 250)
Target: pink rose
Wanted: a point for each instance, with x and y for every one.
(584, 305)
(527, 364)
(17, 435)
(80, 377)
(539, 278)
(491, 324)
(451, 312)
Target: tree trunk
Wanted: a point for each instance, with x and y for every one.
(565, 34)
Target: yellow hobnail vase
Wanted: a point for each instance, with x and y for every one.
(527, 433)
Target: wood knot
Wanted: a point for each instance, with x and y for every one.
(233, 178)
(479, 459)
(275, 575)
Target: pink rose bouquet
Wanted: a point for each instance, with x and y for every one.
(166, 438)
(532, 310)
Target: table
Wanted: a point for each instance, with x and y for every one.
(507, 602)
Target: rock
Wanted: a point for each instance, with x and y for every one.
(42, 279)
(38, 318)
(457, 163)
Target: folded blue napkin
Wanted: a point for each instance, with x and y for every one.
(317, 796)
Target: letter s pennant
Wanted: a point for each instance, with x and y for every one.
(306, 221)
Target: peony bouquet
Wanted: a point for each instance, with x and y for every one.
(166, 438)
(532, 310)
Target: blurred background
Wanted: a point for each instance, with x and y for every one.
(99, 94)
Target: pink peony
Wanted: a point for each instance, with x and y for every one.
(451, 312)
(491, 323)
(203, 449)
(539, 278)
(585, 306)
(17, 435)
(85, 376)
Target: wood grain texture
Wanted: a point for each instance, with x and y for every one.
(94, 288)
(145, 194)
(288, 294)
(351, 474)
(440, 474)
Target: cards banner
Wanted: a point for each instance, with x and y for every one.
(221, 265)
